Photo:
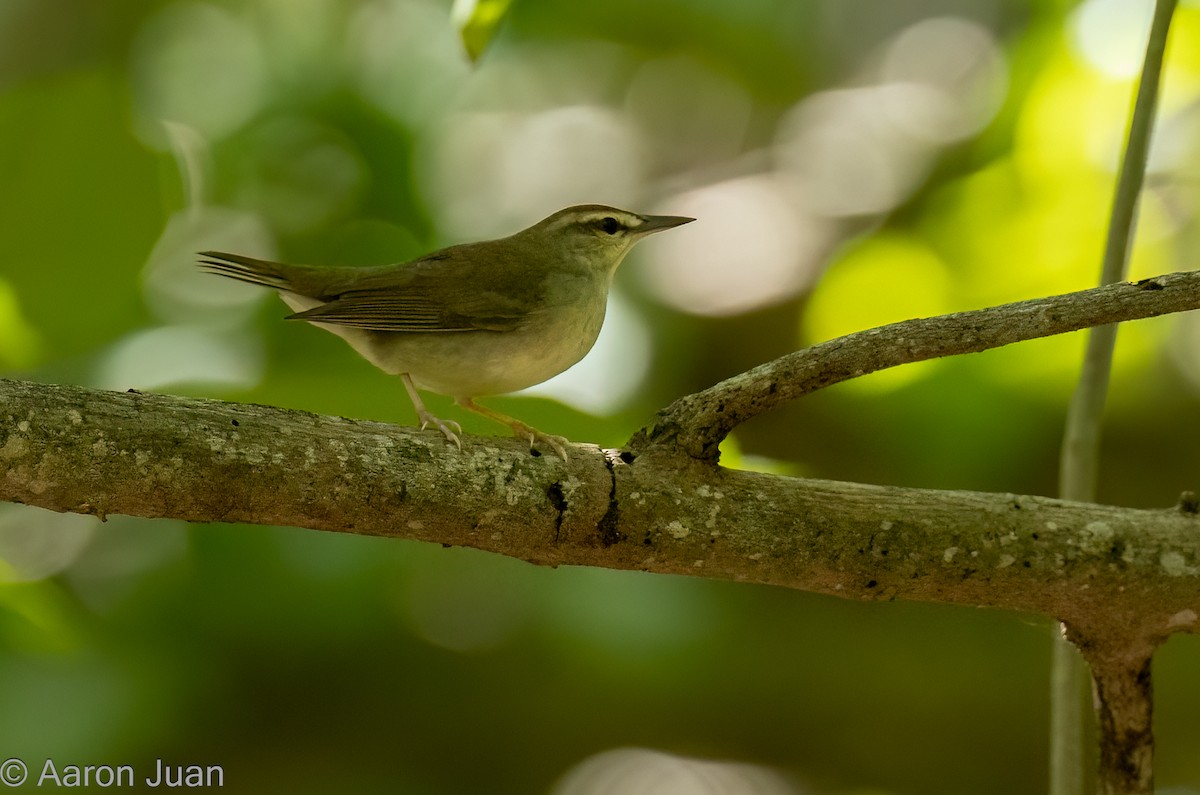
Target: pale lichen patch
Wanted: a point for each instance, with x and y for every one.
(1026, 503)
(75, 417)
(949, 553)
(571, 484)
(676, 529)
(1184, 618)
(1174, 564)
(712, 516)
(14, 447)
(1005, 561)
(339, 451)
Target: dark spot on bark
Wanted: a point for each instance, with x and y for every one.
(1148, 284)
(236, 424)
(1035, 536)
(1028, 565)
(627, 457)
(608, 528)
(871, 583)
(559, 501)
(1189, 503)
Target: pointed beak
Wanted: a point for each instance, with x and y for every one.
(657, 223)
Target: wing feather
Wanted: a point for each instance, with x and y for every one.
(437, 293)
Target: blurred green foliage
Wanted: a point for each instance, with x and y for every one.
(852, 162)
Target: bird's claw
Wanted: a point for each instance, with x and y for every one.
(534, 437)
(449, 428)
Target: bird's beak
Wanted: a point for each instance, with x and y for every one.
(657, 223)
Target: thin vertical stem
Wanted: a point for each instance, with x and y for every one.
(1080, 457)
(1068, 691)
(1081, 443)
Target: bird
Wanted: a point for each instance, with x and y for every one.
(470, 320)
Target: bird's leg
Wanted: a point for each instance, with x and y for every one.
(519, 429)
(449, 428)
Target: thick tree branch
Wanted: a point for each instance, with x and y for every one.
(1120, 579)
(697, 424)
(1101, 568)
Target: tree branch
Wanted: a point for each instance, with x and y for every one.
(1102, 569)
(697, 424)
(1121, 579)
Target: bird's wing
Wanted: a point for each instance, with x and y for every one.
(408, 312)
(444, 291)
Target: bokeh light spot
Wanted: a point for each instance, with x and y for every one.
(198, 64)
(641, 771)
(169, 356)
(35, 544)
(751, 246)
(1111, 34)
(959, 72)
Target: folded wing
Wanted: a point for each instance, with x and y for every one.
(433, 294)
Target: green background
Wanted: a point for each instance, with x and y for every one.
(133, 134)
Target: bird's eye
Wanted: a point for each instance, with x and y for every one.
(609, 225)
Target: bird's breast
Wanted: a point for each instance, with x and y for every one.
(475, 363)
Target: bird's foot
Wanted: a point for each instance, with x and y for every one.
(522, 431)
(536, 437)
(449, 428)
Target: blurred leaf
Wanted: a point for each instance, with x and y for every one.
(38, 617)
(20, 344)
(477, 21)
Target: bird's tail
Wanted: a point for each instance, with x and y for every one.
(247, 269)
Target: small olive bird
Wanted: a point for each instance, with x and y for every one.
(474, 319)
